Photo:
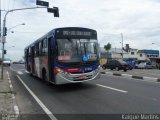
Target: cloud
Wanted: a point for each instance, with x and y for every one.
(138, 20)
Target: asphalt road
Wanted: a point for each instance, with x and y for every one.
(108, 95)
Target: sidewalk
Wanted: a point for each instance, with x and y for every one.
(7, 99)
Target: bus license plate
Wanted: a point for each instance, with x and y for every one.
(82, 77)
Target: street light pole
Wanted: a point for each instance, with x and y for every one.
(0, 19)
(4, 36)
(4, 31)
(3, 41)
(16, 26)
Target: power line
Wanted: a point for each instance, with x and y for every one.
(29, 32)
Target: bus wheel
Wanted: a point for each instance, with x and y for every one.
(45, 78)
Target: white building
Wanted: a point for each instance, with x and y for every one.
(115, 53)
(147, 54)
(133, 53)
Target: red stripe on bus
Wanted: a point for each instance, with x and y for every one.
(46, 60)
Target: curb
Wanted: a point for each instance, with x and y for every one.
(15, 106)
(133, 76)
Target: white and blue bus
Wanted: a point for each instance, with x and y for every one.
(64, 55)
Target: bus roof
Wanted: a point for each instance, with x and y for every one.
(59, 29)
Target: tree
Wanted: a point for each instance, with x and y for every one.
(107, 47)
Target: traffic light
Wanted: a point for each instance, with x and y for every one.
(54, 10)
(42, 3)
(5, 52)
(5, 31)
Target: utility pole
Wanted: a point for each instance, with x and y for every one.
(0, 20)
(122, 44)
(0, 34)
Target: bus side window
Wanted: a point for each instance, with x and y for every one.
(40, 48)
(37, 49)
(29, 52)
(44, 47)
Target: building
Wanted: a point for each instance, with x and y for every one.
(147, 54)
(116, 53)
(133, 53)
(113, 53)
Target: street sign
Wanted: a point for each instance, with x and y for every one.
(42, 3)
(3, 39)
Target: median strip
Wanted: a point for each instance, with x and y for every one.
(134, 76)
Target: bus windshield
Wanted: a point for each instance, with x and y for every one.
(77, 50)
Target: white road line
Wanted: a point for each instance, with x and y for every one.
(112, 88)
(109, 73)
(7, 73)
(13, 96)
(16, 110)
(127, 75)
(19, 72)
(9, 81)
(10, 86)
(26, 71)
(150, 78)
(46, 110)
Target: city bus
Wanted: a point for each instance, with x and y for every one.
(64, 55)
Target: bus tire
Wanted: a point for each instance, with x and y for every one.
(44, 77)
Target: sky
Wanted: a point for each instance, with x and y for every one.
(137, 20)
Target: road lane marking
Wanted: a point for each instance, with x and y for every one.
(46, 110)
(16, 110)
(9, 81)
(150, 78)
(13, 96)
(112, 88)
(126, 75)
(19, 72)
(26, 71)
(109, 73)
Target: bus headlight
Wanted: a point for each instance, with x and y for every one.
(57, 70)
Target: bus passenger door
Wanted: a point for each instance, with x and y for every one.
(51, 58)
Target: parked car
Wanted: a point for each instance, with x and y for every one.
(130, 67)
(105, 66)
(118, 65)
(131, 63)
(145, 65)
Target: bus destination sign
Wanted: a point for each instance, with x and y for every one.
(78, 33)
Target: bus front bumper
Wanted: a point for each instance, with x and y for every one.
(62, 78)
